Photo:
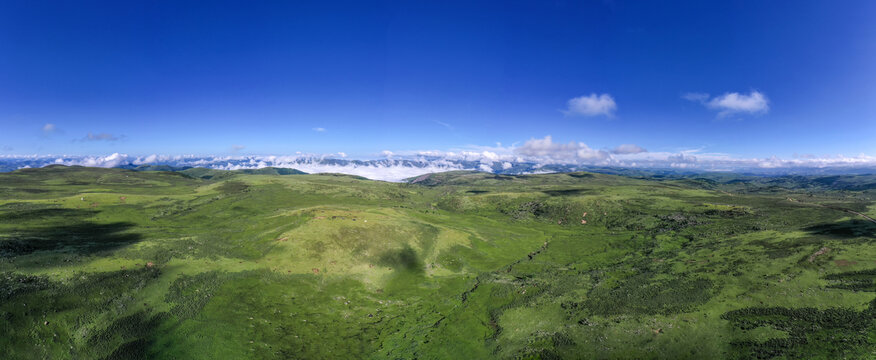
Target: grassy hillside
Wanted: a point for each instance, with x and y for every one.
(206, 264)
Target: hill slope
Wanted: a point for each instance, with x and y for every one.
(113, 263)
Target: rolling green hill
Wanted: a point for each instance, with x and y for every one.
(209, 264)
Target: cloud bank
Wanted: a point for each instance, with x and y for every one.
(537, 155)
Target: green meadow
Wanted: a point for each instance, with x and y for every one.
(275, 264)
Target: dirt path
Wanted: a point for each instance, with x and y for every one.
(850, 211)
(854, 212)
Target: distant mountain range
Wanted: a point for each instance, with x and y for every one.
(392, 169)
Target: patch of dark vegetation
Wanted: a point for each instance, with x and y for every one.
(862, 280)
(846, 229)
(500, 177)
(133, 332)
(786, 248)
(833, 333)
(567, 192)
(642, 294)
(698, 183)
(271, 171)
(476, 192)
(862, 187)
(730, 213)
(678, 221)
(19, 206)
(357, 177)
(544, 347)
(851, 183)
(13, 285)
(568, 212)
(527, 209)
(550, 210)
(73, 307)
(190, 293)
(827, 180)
(34, 191)
(165, 168)
(580, 175)
(56, 213)
(133, 350)
(233, 187)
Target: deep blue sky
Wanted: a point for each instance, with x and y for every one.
(179, 77)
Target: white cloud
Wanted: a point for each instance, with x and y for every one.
(319, 129)
(485, 168)
(49, 128)
(387, 154)
(628, 149)
(729, 103)
(108, 161)
(591, 105)
(507, 165)
(573, 152)
(150, 159)
(236, 148)
(547, 148)
(755, 102)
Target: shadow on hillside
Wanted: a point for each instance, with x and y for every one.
(46, 214)
(81, 238)
(845, 229)
(567, 192)
(404, 259)
(580, 175)
(58, 229)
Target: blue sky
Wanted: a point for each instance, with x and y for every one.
(748, 79)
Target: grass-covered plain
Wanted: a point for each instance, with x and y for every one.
(272, 264)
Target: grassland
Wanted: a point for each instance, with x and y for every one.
(206, 264)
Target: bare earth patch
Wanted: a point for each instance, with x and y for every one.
(822, 251)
